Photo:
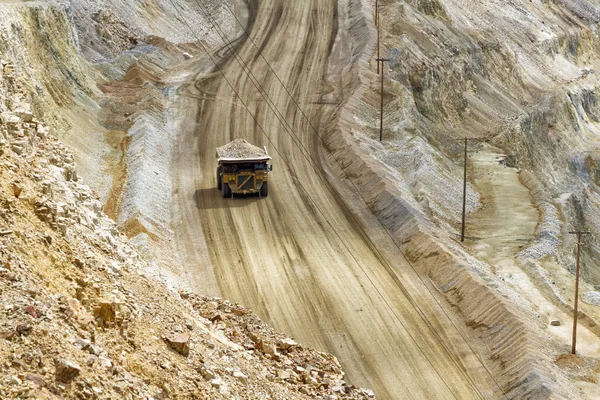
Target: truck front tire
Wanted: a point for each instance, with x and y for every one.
(226, 190)
(219, 179)
(264, 189)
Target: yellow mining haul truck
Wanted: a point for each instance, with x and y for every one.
(243, 169)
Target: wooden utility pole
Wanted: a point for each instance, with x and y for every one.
(378, 34)
(464, 199)
(381, 60)
(579, 244)
(464, 202)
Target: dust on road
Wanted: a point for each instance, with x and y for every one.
(296, 257)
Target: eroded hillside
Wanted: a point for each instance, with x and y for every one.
(521, 77)
(355, 251)
(80, 318)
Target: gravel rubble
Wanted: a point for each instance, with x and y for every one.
(81, 319)
(240, 149)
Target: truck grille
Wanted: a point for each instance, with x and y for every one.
(248, 185)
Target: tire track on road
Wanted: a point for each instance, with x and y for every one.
(285, 261)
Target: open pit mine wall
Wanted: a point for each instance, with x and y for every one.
(558, 136)
(521, 370)
(38, 35)
(524, 75)
(95, 75)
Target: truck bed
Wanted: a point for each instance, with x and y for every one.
(241, 151)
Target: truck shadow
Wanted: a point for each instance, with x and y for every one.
(211, 198)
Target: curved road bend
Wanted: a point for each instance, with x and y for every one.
(279, 255)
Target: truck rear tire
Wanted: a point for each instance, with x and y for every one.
(219, 179)
(226, 191)
(264, 189)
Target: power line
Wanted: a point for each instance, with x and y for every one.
(309, 158)
(579, 244)
(245, 68)
(260, 52)
(262, 91)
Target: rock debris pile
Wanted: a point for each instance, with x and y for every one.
(79, 319)
(240, 148)
(284, 359)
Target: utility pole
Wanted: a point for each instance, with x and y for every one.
(378, 33)
(579, 244)
(381, 60)
(464, 202)
(464, 199)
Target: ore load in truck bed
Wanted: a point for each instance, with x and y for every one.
(241, 150)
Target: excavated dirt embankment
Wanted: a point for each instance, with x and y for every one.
(445, 82)
(103, 88)
(509, 341)
(81, 318)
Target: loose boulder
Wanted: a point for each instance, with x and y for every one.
(179, 342)
(66, 370)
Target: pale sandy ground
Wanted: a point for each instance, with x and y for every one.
(296, 257)
(501, 229)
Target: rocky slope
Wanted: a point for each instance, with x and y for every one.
(79, 317)
(521, 75)
(102, 88)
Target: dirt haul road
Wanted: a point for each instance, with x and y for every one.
(296, 257)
